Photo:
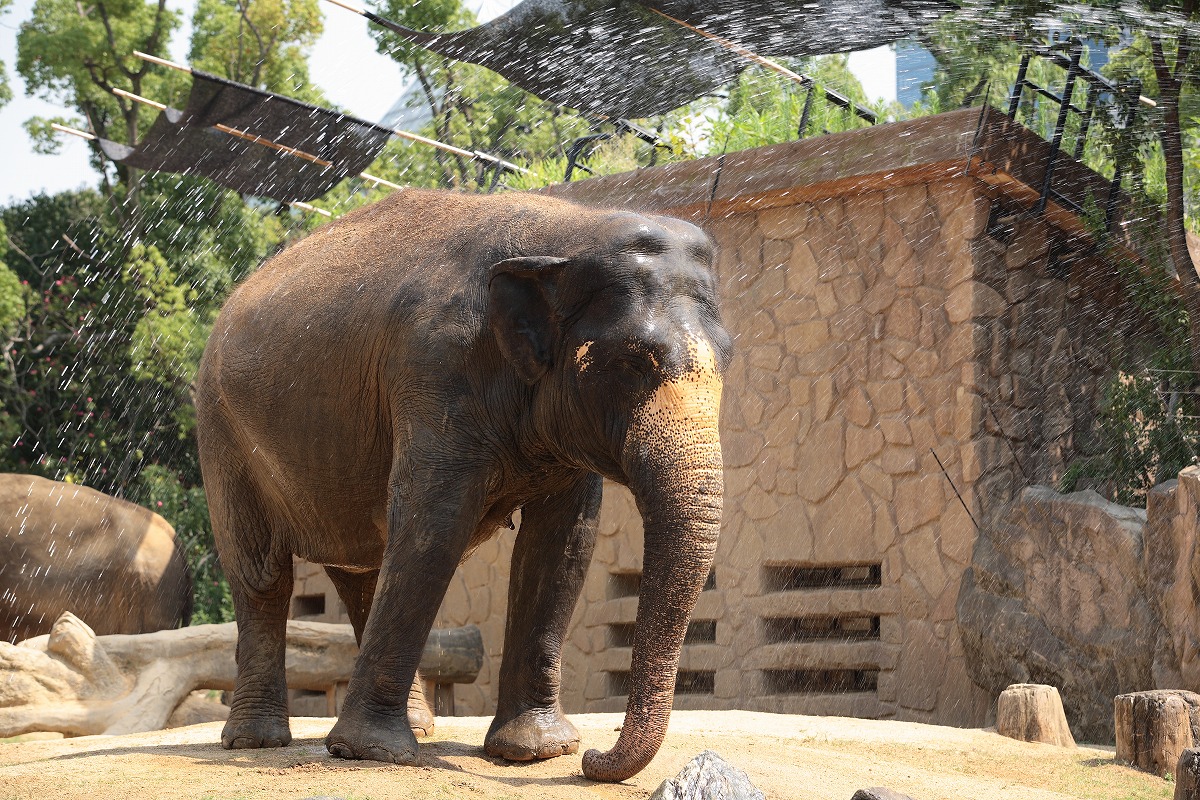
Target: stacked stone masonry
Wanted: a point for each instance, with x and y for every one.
(894, 355)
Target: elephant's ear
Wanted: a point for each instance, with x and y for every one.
(521, 312)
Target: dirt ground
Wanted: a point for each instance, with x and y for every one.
(807, 758)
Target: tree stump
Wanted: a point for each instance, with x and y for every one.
(1032, 712)
(1154, 728)
(1187, 776)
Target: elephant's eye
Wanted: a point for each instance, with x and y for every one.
(636, 365)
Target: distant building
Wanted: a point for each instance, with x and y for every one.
(914, 68)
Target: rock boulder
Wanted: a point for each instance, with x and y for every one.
(708, 777)
(1057, 594)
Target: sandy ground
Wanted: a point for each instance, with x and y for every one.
(807, 758)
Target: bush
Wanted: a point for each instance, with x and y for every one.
(186, 508)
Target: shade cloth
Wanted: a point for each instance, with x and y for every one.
(619, 58)
(184, 141)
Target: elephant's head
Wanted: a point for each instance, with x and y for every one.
(623, 345)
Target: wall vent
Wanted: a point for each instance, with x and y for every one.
(699, 631)
(627, 584)
(687, 681)
(308, 605)
(695, 681)
(792, 577)
(624, 584)
(618, 683)
(819, 681)
(820, 628)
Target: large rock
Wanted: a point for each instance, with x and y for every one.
(1031, 712)
(708, 777)
(1172, 557)
(1057, 594)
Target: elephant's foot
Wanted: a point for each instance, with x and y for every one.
(535, 733)
(420, 715)
(254, 732)
(374, 737)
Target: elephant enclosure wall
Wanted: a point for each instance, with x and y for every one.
(892, 349)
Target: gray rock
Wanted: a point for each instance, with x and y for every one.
(708, 777)
(879, 793)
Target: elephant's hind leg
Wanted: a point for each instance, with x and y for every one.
(357, 590)
(260, 578)
(550, 560)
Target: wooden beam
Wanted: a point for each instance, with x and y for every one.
(259, 140)
(412, 137)
(73, 131)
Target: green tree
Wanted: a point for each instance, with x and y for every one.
(75, 54)
(262, 43)
(980, 44)
(186, 508)
(5, 91)
(469, 106)
(766, 108)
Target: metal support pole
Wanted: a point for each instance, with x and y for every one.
(1081, 141)
(1014, 100)
(1064, 108)
(806, 111)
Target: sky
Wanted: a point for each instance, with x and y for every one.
(344, 64)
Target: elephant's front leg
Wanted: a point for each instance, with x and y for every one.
(430, 522)
(550, 560)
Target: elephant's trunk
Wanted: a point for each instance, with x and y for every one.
(674, 457)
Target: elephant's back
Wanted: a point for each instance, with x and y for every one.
(65, 547)
(414, 247)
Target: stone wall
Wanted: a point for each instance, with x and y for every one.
(1088, 596)
(904, 365)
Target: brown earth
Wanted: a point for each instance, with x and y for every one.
(807, 758)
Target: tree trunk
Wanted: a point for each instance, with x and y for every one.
(1170, 87)
(77, 683)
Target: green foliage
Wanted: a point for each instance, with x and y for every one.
(167, 342)
(430, 16)
(73, 55)
(46, 141)
(469, 106)
(186, 508)
(263, 43)
(1142, 442)
(12, 294)
(5, 91)
(764, 108)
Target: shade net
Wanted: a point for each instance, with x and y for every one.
(184, 141)
(619, 58)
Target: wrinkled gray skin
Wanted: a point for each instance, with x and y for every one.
(65, 547)
(382, 396)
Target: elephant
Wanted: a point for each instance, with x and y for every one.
(65, 547)
(382, 396)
